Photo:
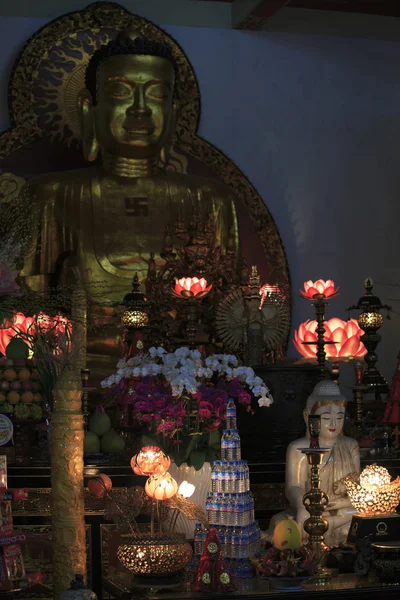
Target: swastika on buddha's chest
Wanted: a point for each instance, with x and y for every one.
(136, 207)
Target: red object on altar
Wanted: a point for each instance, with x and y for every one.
(212, 574)
(392, 411)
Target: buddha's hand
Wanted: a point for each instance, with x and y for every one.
(338, 504)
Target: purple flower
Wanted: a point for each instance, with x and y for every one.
(142, 406)
(235, 387)
(166, 427)
(204, 413)
(244, 398)
(142, 389)
(147, 418)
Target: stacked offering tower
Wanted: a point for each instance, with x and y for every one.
(230, 504)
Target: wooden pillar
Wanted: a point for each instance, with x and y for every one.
(68, 513)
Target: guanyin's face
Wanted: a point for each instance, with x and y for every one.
(332, 421)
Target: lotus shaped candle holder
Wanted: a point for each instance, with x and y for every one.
(318, 290)
(191, 287)
(342, 339)
(374, 493)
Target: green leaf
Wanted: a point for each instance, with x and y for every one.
(215, 438)
(149, 441)
(190, 448)
(197, 459)
(179, 459)
(212, 454)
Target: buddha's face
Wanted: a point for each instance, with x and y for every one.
(134, 104)
(332, 421)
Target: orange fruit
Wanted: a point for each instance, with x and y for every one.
(13, 397)
(10, 375)
(24, 375)
(35, 375)
(27, 397)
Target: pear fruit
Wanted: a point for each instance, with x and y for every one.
(91, 443)
(99, 422)
(111, 442)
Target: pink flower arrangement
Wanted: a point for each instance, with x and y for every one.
(346, 334)
(171, 421)
(319, 288)
(179, 398)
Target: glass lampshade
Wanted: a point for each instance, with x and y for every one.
(161, 487)
(134, 318)
(370, 320)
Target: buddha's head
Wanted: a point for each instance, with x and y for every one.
(327, 401)
(127, 106)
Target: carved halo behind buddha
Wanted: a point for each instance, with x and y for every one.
(137, 108)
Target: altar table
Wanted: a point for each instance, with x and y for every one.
(342, 587)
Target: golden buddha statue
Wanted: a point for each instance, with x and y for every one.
(109, 219)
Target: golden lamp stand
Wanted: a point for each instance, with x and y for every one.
(315, 501)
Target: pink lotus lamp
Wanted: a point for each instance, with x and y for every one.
(313, 290)
(319, 292)
(345, 336)
(191, 287)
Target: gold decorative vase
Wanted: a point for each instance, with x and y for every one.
(154, 555)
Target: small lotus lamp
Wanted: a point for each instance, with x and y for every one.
(191, 287)
(319, 293)
(319, 290)
(136, 313)
(186, 489)
(161, 487)
(375, 493)
(150, 460)
(370, 320)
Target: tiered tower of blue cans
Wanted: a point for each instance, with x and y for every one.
(230, 504)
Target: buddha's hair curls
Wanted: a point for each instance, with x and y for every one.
(125, 43)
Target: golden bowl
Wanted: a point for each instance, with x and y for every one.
(154, 555)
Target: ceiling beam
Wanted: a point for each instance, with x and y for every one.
(254, 14)
(388, 8)
(334, 23)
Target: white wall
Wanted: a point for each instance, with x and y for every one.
(314, 122)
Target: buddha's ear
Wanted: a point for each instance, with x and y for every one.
(305, 417)
(90, 144)
(174, 120)
(169, 142)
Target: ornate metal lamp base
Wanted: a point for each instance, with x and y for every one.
(315, 501)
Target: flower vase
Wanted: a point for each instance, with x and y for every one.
(201, 479)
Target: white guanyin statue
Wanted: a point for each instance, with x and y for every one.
(342, 460)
